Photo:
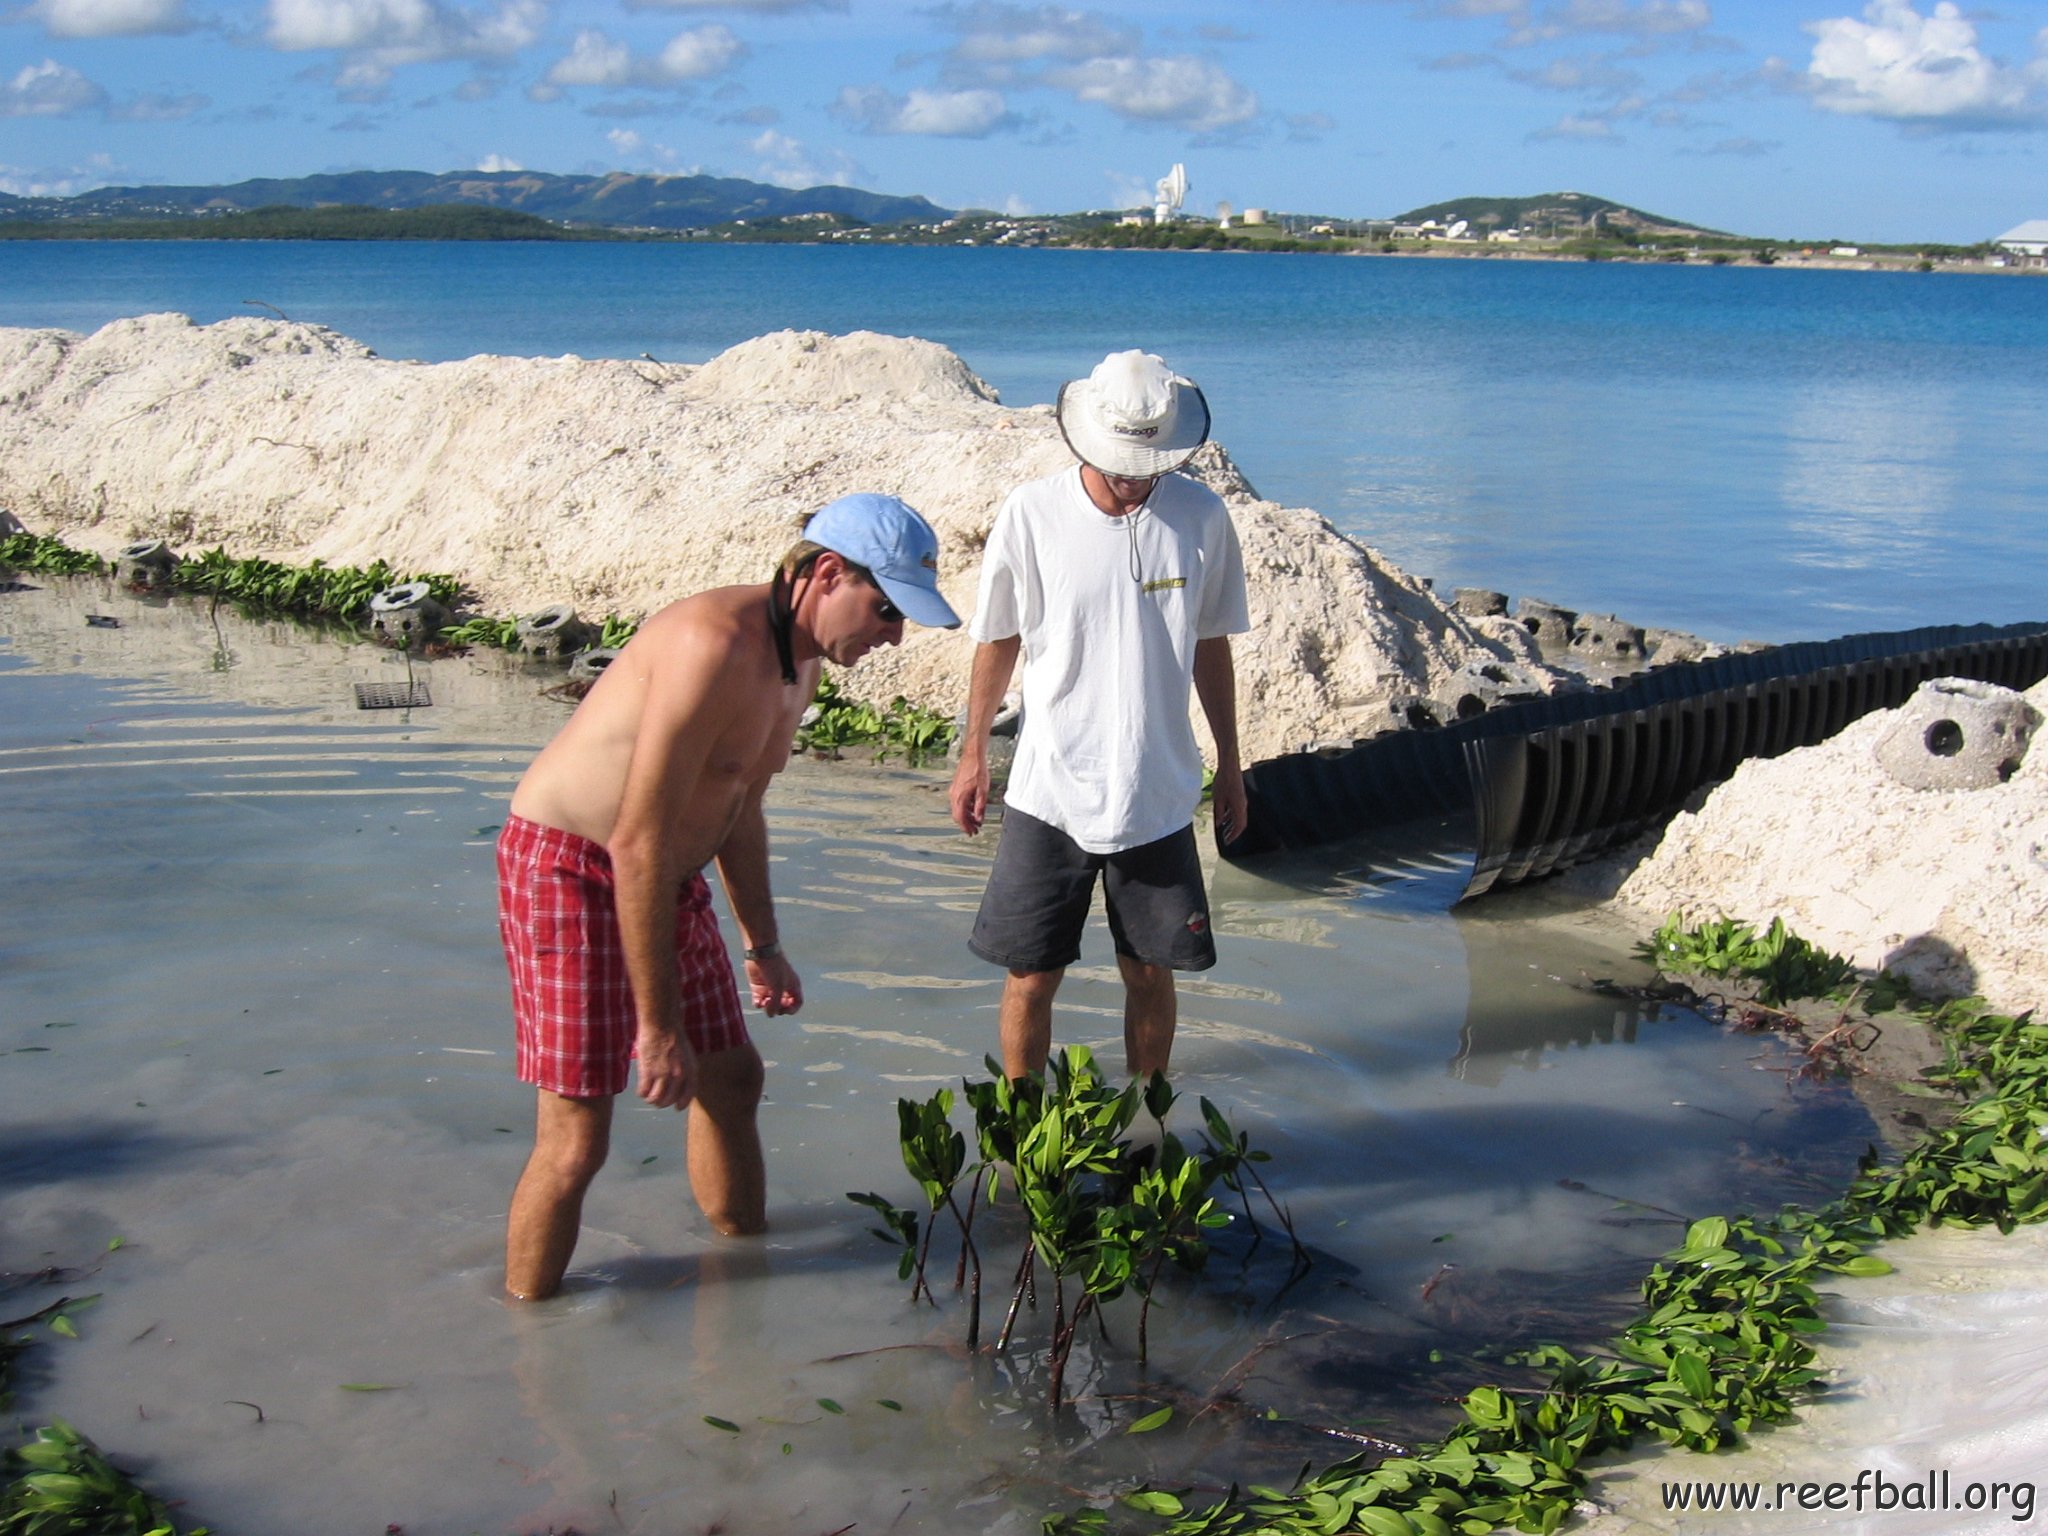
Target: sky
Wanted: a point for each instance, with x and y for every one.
(1899, 120)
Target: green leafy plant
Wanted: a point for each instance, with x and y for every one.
(836, 721)
(1724, 1345)
(1101, 1215)
(60, 1484)
(1783, 966)
(40, 552)
(501, 633)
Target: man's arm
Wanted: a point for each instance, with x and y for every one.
(1216, 687)
(743, 867)
(678, 722)
(994, 663)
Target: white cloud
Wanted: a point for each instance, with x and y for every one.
(593, 59)
(787, 162)
(1183, 91)
(1900, 65)
(698, 54)
(379, 36)
(1630, 18)
(625, 141)
(492, 164)
(751, 7)
(111, 18)
(49, 89)
(1577, 128)
(995, 38)
(932, 114)
(701, 53)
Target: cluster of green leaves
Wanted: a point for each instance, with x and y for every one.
(1097, 1209)
(42, 552)
(1783, 966)
(837, 721)
(314, 591)
(60, 1484)
(482, 630)
(1725, 1343)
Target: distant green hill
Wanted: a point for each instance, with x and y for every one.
(616, 201)
(446, 222)
(1552, 212)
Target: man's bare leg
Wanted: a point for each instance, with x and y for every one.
(1026, 1021)
(571, 1138)
(1151, 1010)
(727, 1174)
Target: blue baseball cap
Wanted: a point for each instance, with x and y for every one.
(885, 536)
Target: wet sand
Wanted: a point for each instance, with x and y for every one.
(257, 1031)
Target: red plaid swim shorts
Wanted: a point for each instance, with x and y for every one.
(571, 999)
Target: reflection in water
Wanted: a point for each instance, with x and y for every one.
(1870, 480)
(284, 1012)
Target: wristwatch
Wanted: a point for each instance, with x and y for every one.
(766, 951)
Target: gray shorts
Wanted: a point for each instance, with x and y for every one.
(1039, 892)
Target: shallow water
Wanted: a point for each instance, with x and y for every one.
(255, 1027)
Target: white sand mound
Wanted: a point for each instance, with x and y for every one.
(1948, 888)
(619, 486)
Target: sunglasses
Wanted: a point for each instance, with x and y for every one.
(887, 611)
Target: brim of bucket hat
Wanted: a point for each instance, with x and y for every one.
(1126, 458)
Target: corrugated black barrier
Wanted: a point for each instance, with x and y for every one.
(1556, 780)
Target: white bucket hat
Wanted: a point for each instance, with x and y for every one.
(1133, 417)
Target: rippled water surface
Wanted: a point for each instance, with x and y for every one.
(255, 1028)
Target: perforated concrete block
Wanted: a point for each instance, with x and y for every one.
(406, 615)
(147, 563)
(1957, 734)
(1604, 637)
(554, 632)
(1550, 625)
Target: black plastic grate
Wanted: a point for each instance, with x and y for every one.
(392, 696)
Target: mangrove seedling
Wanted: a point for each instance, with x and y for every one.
(1098, 1212)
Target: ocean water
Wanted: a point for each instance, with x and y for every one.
(1744, 453)
(256, 1028)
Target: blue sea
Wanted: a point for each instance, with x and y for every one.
(1739, 452)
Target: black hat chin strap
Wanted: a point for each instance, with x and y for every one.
(781, 622)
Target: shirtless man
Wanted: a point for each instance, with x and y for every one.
(604, 910)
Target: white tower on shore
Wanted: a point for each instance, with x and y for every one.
(1169, 192)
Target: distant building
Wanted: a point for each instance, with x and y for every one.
(2028, 239)
(1253, 217)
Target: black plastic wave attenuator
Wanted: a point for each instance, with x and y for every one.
(1556, 780)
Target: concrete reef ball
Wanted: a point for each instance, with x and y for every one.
(1955, 733)
(554, 632)
(146, 563)
(406, 614)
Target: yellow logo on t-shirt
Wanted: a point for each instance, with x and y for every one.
(1165, 583)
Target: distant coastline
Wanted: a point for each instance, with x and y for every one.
(467, 222)
(621, 207)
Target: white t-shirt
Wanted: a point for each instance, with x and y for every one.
(1109, 610)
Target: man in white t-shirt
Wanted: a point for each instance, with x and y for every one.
(1120, 582)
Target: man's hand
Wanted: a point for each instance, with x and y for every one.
(1231, 805)
(775, 985)
(970, 792)
(668, 1068)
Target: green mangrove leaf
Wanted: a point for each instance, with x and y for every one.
(1153, 1501)
(725, 1424)
(1151, 1421)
